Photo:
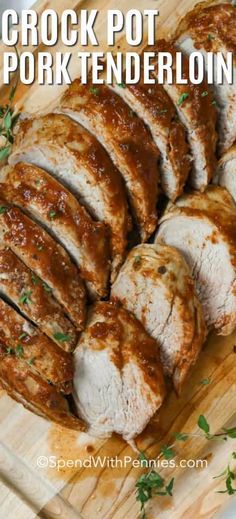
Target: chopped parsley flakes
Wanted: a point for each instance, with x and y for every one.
(61, 337)
(25, 298)
(182, 98)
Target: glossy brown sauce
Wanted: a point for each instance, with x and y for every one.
(73, 144)
(44, 256)
(198, 107)
(133, 148)
(179, 152)
(225, 221)
(155, 100)
(128, 340)
(28, 184)
(36, 393)
(62, 131)
(128, 131)
(212, 27)
(20, 280)
(46, 358)
(201, 108)
(65, 444)
(159, 113)
(220, 214)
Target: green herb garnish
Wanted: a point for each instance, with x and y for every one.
(52, 214)
(61, 337)
(143, 458)
(231, 433)
(210, 37)
(121, 85)
(229, 477)
(40, 247)
(35, 279)
(25, 298)
(203, 424)
(10, 351)
(94, 91)
(182, 98)
(181, 437)
(23, 336)
(19, 351)
(4, 152)
(149, 485)
(205, 93)
(46, 287)
(205, 381)
(8, 119)
(167, 452)
(3, 209)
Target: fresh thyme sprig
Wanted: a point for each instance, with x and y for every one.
(205, 427)
(149, 485)
(152, 483)
(229, 477)
(8, 119)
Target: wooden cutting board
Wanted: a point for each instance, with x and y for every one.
(28, 491)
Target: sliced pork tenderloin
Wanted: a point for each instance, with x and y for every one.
(202, 227)
(194, 104)
(33, 298)
(126, 139)
(225, 175)
(53, 206)
(72, 155)
(212, 28)
(118, 382)
(28, 343)
(46, 258)
(155, 285)
(37, 395)
(152, 104)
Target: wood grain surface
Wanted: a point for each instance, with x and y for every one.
(28, 491)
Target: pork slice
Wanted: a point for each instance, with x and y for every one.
(225, 175)
(46, 258)
(73, 156)
(196, 111)
(212, 28)
(155, 285)
(34, 393)
(202, 228)
(34, 300)
(152, 104)
(118, 382)
(126, 139)
(53, 206)
(24, 341)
